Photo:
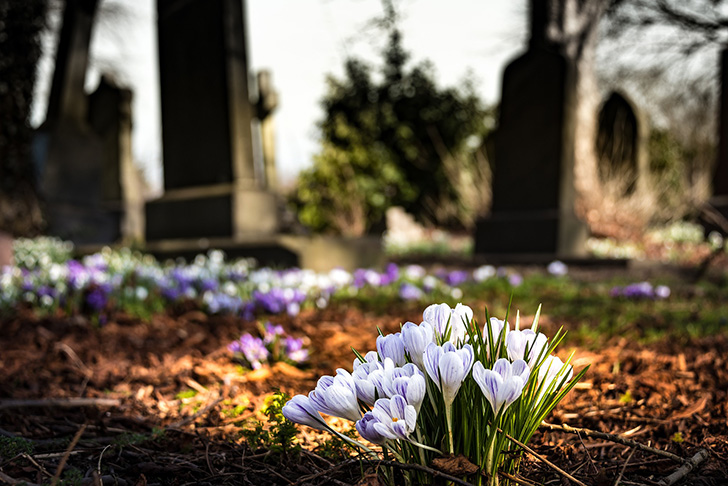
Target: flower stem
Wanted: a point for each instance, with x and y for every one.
(448, 417)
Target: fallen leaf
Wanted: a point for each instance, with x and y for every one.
(455, 465)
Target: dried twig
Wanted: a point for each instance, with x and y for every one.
(543, 459)
(624, 467)
(685, 469)
(400, 465)
(61, 402)
(65, 457)
(613, 438)
(516, 479)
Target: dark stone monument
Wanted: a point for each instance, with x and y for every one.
(532, 214)
(212, 189)
(716, 218)
(71, 152)
(84, 143)
(621, 143)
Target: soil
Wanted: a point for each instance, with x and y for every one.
(145, 427)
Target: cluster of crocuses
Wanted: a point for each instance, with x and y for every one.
(446, 385)
(275, 345)
(641, 290)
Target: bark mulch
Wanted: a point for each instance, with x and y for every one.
(161, 402)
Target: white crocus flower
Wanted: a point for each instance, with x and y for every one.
(526, 345)
(299, 409)
(391, 346)
(336, 396)
(416, 338)
(503, 384)
(448, 367)
(442, 317)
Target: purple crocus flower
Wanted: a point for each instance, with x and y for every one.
(410, 292)
(456, 277)
(252, 349)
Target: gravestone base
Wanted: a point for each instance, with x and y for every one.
(537, 234)
(211, 212)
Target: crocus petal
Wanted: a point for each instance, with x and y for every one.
(451, 375)
(300, 410)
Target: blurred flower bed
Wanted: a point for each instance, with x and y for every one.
(48, 281)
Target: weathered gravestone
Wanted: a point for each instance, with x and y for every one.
(533, 176)
(621, 144)
(717, 217)
(83, 148)
(212, 188)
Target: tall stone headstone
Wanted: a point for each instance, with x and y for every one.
(719, 199)
(70, 153)
(211, 188)
(621, 143)
(110, 117)
(533, 176)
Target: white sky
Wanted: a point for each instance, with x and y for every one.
(301, 41)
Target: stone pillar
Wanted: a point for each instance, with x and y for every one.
(211, 186)
(532, 214)
(267, 103)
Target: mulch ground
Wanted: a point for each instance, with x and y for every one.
(141, 424)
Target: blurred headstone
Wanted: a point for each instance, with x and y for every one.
(79, 189)
(621, 143)
(533, 178)
(123, 188)
(210, 181)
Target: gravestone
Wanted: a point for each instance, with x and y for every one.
(621, 143)
(122, 186)
(211, 187)
(719, 200)
(532, 212)
(69, 153)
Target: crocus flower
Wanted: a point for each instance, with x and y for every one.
(391, 346)
(252, 349)
(366, 376)
(503, 384)
(551, 373)
(526, 345)
(396, 419)
(408, 382)
(416, 338)
(336, 396)
(299, 409)
(365, 427)
(442, 317)
(410, 292)
(557, 268)
(448, 367)
(496, 328)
